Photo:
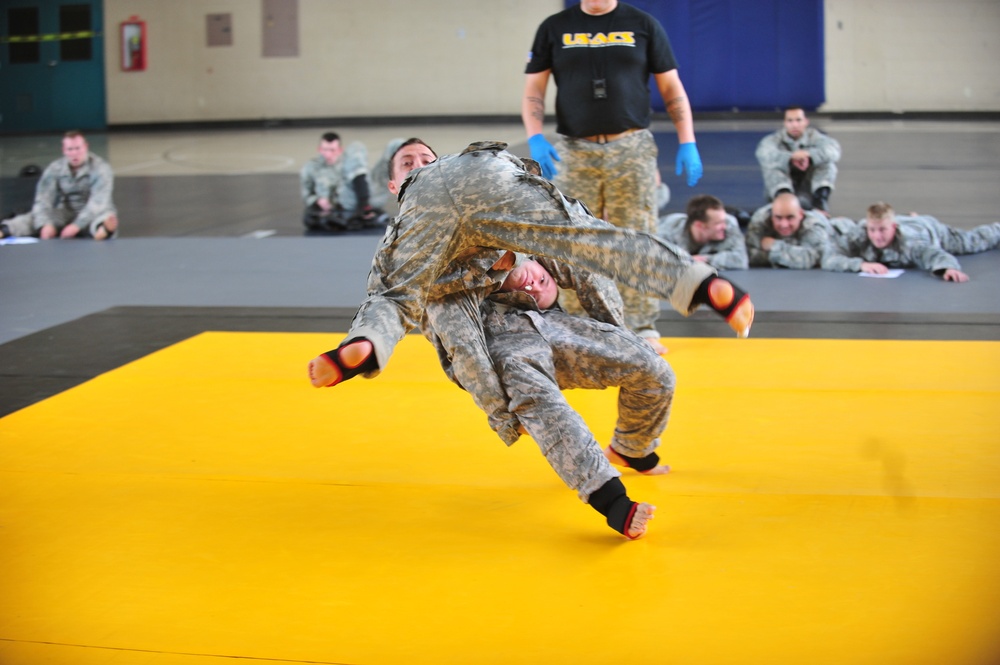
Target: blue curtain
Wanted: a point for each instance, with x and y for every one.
(749, 55)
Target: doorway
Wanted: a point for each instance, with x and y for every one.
(52, 66)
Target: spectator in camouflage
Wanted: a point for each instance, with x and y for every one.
(379, 176)
(708, 233)
(72, 199)
(783, 235)
(335, 189)
(800, 159)
(885, 240)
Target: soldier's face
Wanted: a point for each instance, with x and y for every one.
(331, 150)
(407, 158)
(714, 228)
(881, 232)
(796, 122)
(531, 278)
(75, 150)
(786, 215)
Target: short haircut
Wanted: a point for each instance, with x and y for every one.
(73, 133)
(786, 194)
(881, 210)
(330, 137)
(698, 207)
(792, 108)
(412, 141)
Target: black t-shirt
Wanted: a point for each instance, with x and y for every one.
(622, 48)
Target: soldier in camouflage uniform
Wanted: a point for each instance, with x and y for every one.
(522, 349)
(884, 239)
(799, 159)
(72, 199)
(783, 235)
(456, 206)
(335, 188)
(708, 233)
(379, 176)
(452, 210)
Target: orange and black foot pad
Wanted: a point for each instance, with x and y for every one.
(728, 300)
(353, 357)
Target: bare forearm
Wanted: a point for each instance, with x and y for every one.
(679, 110)
(678, 106)
(533, 103)
(533, 115)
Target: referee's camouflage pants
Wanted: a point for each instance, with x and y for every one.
(617, 181)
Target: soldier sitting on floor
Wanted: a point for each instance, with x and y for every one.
(335, 188)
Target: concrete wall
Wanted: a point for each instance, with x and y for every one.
(378, 58)
(912, 55)
(366, 58)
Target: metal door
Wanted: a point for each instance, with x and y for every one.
(51, 65)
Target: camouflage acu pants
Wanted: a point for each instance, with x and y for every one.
(617, 181)
(538, 354)
(28, 225)
(978, 239)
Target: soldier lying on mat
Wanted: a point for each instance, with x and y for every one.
(885, 240)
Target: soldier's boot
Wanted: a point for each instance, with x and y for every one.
(821, 199)
(369, 217)
(352, 357)
(336, 220)
(742, 216)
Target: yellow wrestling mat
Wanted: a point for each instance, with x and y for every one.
(832, 502)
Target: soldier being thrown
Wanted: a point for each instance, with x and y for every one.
(485, 199)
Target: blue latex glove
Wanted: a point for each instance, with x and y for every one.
(543, 153)
(688, 160)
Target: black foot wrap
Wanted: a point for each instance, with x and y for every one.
(370, 364)
(703, 297)
(641, 463)
(612, 501)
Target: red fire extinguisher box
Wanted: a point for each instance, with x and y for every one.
(133, 35)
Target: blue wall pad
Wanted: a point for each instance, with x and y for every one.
(749, 56)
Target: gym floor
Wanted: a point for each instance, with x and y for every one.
(173, 491)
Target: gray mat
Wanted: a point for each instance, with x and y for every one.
(50, 283)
